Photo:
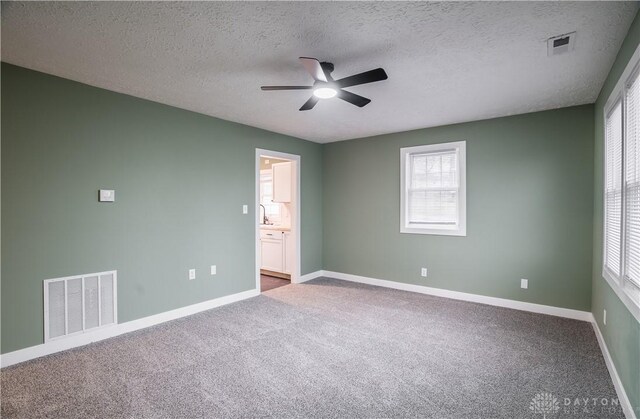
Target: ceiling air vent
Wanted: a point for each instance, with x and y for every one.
(561, 44)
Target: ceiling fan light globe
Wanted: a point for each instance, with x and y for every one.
(324, 92)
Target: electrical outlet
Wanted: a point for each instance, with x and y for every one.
(213, 269)
(192, 274)
(245, 209)
(604, 317)
(524, 283)
(423, 272)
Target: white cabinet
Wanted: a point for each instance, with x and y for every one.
(281, 181)
(271, 250)
(289, 252)
(277, 251)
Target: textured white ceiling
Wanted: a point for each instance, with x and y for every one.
(447, 62)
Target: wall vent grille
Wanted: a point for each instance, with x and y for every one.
(79, 303)
(561, 44)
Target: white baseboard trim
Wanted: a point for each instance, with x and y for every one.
(456, 295)
(625, 403)
(54, 346)
(310, 276)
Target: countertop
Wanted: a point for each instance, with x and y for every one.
(274, 227)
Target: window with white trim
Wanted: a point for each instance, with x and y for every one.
(433, 189)
(621, 258)
(272, 209)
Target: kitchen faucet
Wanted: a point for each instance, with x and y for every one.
(265, 220)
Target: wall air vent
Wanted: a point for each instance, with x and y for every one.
(561, 44)
(80, 303)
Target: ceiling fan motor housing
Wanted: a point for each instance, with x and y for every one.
(325, 87)
(328, 67)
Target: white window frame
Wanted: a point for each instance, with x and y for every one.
(625, 289)
(460, 227)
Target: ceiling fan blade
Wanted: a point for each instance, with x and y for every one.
(286, 87)
(353, 98)
(367, 77)
(309, 104)
(314, 68)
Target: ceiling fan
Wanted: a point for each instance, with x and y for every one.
(325, 87)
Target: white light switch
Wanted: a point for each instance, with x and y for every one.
(524, 283)
(192, 274)
(245, 209)
(213, 269)
(107, 195)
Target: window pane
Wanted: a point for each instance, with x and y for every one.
(613, 189)
(418, 171)
(272, 209)
(433, 206)
(435, 170)
(613, 208)
(449, 173)
(632, 156)
(441, 170)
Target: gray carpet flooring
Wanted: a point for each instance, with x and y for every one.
(326, 348)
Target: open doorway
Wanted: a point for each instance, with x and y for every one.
(277, 223)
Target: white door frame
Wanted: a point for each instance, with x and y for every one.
(295, 274)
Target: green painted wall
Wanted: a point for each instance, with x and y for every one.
(529, 210)
(622, 332)
(181, 179)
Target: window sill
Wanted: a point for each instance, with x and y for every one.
(434, 231)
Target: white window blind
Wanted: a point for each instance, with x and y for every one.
(433, 189)
(632, 180)
(621, 197)
(613, 190)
